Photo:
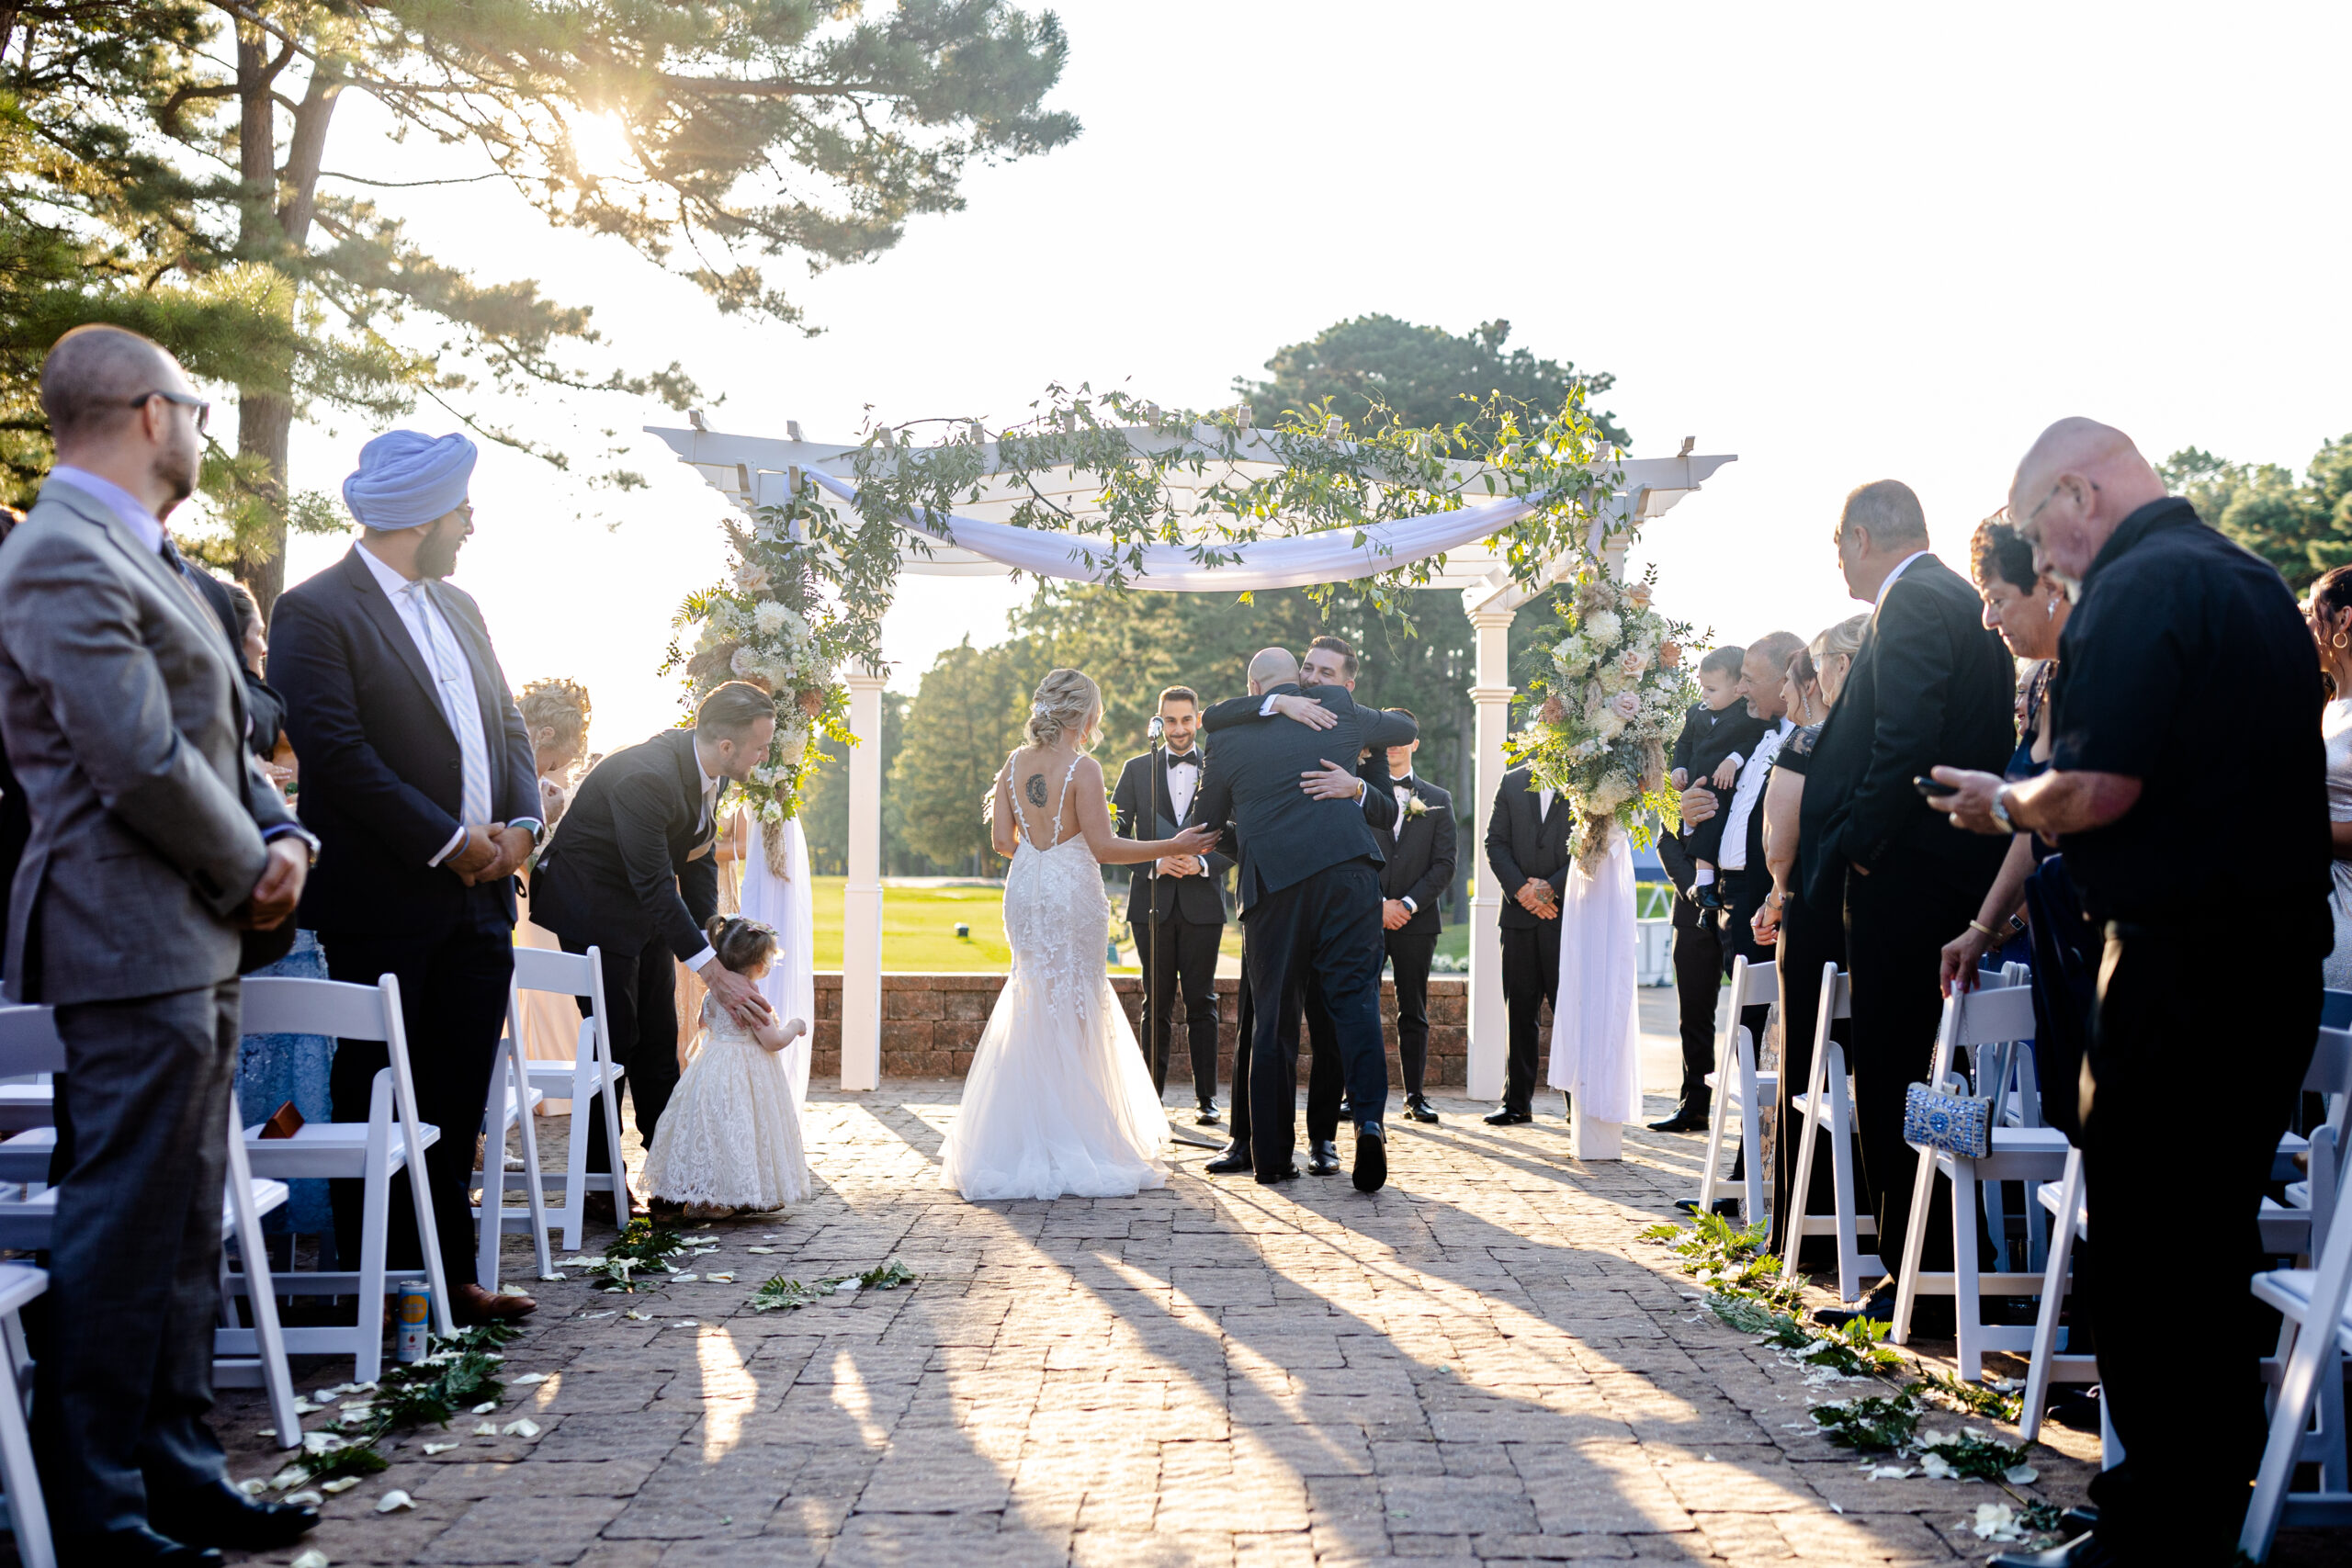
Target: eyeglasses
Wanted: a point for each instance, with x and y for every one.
(203, 409)
(2046, 500)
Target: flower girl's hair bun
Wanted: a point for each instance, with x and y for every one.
(743, 945)
(1067, 702)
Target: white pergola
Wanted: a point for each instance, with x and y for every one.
(753, 471)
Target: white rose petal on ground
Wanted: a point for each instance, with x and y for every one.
(341, 1484)
(2021, 1475)
(393, 1499)
(686, 1323)
(253, 1488)
(528, 1378)
(761, 1249)
(634, 1315)
(311, 1557)
(431, 1449)
(304, 1499)
(720, 1278)
(525, 1428)
(486, 1429)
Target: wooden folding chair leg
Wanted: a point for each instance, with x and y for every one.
(28, 1516)
(2053, 1295)
(261, 1295)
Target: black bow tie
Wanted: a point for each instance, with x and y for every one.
(1189, 759)
(1405, 783)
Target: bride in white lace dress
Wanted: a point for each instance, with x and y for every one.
(1058, 1100)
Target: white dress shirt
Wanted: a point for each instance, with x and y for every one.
(708, 821)
(1748, 790)
(424, 619)
(1404, 791)
(1542, 803)
(1891, 576)
(1183, 781)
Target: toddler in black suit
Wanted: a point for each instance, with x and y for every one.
(1718, 736)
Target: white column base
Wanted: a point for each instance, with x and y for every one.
(1589, 1139)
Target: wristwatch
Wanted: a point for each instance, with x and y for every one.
(2001, 809)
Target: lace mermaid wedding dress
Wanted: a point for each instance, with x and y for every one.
(1058, 1101)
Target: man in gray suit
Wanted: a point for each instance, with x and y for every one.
(155, 843)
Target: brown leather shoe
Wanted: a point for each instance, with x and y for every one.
(471, 1304)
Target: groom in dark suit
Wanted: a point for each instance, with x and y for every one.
(1527, 848)
(417, 777)
(1312, 896)
(631, 871)
(1155, 797)
(1930, 684)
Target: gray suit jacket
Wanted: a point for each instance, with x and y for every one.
(125, 722)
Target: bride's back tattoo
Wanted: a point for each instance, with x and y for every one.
(1036, 788)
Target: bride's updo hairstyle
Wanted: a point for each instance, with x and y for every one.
(1063, 708)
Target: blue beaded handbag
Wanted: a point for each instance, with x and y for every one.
(1956, 1123)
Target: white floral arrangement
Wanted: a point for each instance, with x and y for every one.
(765, 624)
(1607, 709)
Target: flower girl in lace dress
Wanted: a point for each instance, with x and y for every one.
(729, 1139)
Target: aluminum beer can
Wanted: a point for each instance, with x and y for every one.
(412, 1321)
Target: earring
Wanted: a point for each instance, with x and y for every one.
(2341, 641)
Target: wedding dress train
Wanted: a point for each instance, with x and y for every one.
(1058, 1101)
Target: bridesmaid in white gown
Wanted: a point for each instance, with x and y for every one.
(1058, 1100)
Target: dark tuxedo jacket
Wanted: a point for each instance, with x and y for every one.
(1198, 900)
(1252, 782)
(383, 778)
(1421, 852)
(1930, 686)
(630, 860)
(1523, 841)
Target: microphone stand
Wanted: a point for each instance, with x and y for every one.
(1151, 962)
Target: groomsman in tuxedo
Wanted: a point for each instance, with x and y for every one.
(153, 843)
(1931, 685)
(417, 777)
(1153, 800)
(1527, 848)
(1420, 853)
(631, 872)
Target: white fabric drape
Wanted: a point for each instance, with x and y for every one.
(1596, 1030)
(791, 983)
(1333, 555)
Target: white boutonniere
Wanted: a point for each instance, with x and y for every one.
(1414, 806)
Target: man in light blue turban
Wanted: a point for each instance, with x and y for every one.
(418, 779)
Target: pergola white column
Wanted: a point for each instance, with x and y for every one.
(752, 471)
(861, 898)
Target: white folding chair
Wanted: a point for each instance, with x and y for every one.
(1828, 1101)
(2314, 1341)
(2069, 1221)
(371, 1152)
(2299, 1226)
(512, 1102)
(27, 1514)
(589, 1080)
(1982, 1020)
(1741, 1091)
(243, 1358)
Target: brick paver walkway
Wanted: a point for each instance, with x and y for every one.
(1480, 1363)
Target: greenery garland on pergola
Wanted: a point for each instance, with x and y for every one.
(811, 579)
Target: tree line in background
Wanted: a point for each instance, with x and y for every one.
(2302, 526)
(941, 749)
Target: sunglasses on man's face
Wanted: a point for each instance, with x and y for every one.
(183, 399)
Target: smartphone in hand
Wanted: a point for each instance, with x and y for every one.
(1930, 788)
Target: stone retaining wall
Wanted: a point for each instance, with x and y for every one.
(932, 1022)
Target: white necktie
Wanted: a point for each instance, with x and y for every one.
(455, 677)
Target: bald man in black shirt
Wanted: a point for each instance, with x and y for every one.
(2209, 995)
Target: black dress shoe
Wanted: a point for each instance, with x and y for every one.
(1209, 1117)
(1727, 1207)
(2081, 1517)
(2083, 1551)
(1683, 1121)
(1708, 897)
(1507, 1117)
(1371, 1158)
(1930, 1315)
(1268, 1177)
(132, 1545)
(1419, 1108)
(220, 1514)
(1322, 1157)
(1235, 1160)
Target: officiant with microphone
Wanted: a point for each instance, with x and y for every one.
(1175, 905)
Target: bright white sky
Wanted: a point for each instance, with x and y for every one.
(1843, 243)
